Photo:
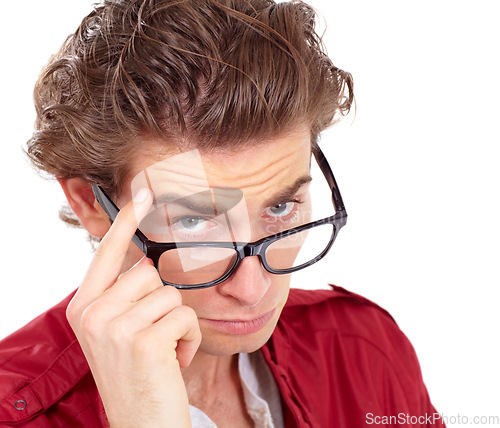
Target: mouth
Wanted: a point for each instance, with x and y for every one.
(241, 327)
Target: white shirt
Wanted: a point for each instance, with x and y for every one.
(260, 392)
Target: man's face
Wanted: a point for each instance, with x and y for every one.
(239, 314)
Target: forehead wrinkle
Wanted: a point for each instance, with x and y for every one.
(168, 178)
(264, 180)
(183, 179)
(258, 170)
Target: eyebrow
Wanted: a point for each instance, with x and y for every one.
(218, 200)
(213, 201)
(286, 194)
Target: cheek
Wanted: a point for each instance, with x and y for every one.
(280, 287)
(199, 300)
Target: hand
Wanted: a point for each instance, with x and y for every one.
(134, 332)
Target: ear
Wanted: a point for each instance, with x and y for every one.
(82, 201)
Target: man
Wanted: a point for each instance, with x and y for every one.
(184, 136)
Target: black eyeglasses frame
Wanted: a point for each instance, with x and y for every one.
(154, 250)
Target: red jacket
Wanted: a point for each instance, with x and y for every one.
(338, 359)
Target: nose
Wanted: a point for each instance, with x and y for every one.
(249, 284)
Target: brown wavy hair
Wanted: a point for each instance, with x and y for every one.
(219, 74)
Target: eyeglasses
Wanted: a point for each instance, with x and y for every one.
(202, 264)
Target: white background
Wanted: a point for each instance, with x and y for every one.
(417, 167)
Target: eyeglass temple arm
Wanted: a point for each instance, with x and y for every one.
(327, 172)
(112, 210)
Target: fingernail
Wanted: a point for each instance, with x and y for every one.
(145, 260)
(141, 195)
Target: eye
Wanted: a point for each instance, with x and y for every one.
(192, 224)
(281, 210)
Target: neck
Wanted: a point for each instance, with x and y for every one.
(208, 373)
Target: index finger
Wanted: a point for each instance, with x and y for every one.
(107, 263)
